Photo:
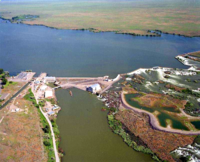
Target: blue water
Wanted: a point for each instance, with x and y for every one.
(83, 53)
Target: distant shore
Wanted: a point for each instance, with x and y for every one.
(147, 33)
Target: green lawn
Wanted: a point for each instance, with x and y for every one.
(9, 83)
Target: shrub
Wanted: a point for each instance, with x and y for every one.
(46, 129)
(197, 140)
(1, 71)
(4, 81)
(47, 143)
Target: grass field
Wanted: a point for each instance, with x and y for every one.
(134, 16)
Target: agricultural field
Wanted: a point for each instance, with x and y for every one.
(179, 17)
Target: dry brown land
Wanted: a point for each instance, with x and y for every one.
(161, 143)
(21, 133)
(180, 16)
(12, 89)
(176, 88)
(196, 54)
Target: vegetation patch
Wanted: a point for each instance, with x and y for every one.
(138, 124)
(47, 138)
(130, 139)
(173, 87)
(24, 18)
(152, 100)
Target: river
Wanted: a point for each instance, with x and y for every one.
(85, 135)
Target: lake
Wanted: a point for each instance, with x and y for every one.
(85, 135)
(83, 53)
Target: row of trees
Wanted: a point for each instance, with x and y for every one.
(3, 76)
(117, 128)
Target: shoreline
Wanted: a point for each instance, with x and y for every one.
(153, 121)
(155, 33)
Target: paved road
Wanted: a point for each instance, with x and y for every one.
(52, 132)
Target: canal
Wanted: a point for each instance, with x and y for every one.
(85, 135)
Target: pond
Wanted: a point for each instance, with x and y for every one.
(162, 117)
(196, 124)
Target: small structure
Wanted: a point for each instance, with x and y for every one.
(167, 72)
(49, 79)
(128, 79)
(43, 88)
(51, 113)
(55, 107)
(94, 88)
(17, 110)
(37, 82)
(56, 83)
(156, 67)
(48, 94)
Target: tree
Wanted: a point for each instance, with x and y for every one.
(4, 81)
(47, 143)
(1, 71)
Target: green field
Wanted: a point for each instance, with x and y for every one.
(134, 16)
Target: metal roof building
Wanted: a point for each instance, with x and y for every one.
(94, 88)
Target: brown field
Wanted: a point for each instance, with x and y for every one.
(180, 16)
(12, 89)
(20, 133)
(176, 88)
(196, 54)
(161, 143)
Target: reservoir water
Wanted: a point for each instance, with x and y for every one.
(83, 53)
(85, 135)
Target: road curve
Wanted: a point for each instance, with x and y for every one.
(153, 121)
(52, 132)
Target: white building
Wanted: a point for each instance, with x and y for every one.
(49, 79)
(48, 94)
(43, 88)
(94, 88)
